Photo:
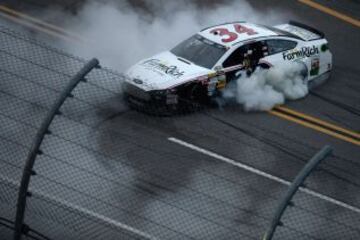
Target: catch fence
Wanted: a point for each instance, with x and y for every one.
(103, 171)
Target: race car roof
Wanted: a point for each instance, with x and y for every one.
(230, 33)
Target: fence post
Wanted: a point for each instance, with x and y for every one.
(295, 185)
(35, 148)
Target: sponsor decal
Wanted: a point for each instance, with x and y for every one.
(301, 53)
(212, 74)
(230, 36)
(221, 84)
(315, 67)
(324, 47)
(157, 64)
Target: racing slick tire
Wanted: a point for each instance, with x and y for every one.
(193, 97)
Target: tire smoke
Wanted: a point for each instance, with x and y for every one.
(266, 88)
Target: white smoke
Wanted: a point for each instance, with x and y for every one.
(120, 35)
(266, 88)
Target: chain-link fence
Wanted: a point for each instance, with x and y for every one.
(105, 171)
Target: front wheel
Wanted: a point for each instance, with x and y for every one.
(193, 97)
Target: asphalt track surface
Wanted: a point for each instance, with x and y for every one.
(166, 178)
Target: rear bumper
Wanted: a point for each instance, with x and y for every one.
(319, 80)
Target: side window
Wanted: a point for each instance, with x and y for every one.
(236, 57)
(280, 45)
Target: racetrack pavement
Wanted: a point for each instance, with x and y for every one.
(119, 163)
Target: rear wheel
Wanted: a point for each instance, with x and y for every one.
(304, 73)
(300, 72)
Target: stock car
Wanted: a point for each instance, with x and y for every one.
(200, 68)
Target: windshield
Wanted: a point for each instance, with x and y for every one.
(200, 51)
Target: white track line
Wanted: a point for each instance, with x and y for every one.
(113, 223)
(263, 174)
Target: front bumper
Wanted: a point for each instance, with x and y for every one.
(154, 100)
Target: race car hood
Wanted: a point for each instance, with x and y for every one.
(163, 71)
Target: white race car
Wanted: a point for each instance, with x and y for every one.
(200, 68)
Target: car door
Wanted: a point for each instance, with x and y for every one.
(237, 57)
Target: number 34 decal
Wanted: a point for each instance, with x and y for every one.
(232, 36)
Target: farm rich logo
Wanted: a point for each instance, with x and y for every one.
(159, 65)
(303, 52)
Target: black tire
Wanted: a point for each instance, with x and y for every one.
(193, 97)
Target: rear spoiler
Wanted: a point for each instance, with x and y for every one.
(304, 26)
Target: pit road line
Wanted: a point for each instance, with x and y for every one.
(331, 12)
(263, 174)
